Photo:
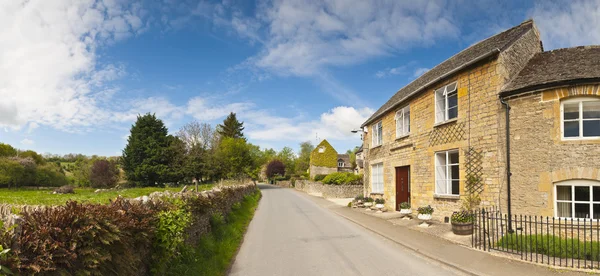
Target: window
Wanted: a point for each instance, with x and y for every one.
(403, 122)
(377, 178)
(577, 199)
(446, 103)
(377, 134)
(446, 173)
(580, 118)
(340, 163)
(321, 149)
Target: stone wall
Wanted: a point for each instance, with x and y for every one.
(478, 127)
(539, 156)
(329, 191)
(314, 170)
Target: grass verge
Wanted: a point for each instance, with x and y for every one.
(215, 251)
(45, 197)
(552, 246)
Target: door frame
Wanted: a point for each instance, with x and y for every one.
(397, 207)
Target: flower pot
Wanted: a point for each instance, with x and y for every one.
(405, 211)
(462, 228)
(379, 206)
(368, 204)
(424, 216)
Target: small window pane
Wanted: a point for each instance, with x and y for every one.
(582, 210)
(440, 187)
(452, 113)
(571, 129)
(591, 128)
(591, 110)
(596, 211)
(564, 209)
(582, 193)
(596, 193)
(451, 87)
(563, 192)
(455, 189)
(571, 111)
(453, 172)
(453, 157)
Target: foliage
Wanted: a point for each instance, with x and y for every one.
(231, 127)
(427, 210)
(275, 168)
(104, 174)
(18, 172)
(4, 255)
(380, 201)
(319, 177)
(67, 189)
(170, 234)
(147, 158)
(235, 157)
(462, 217)
(7, 150)
(327, 158)
(303, 160)
(352, 154)
(33, 155)
(201, 142)
(215, 251)
(552, 246)
(45, 197)
(86, 238)
(340, 178)
(369, 199)
(288, 158)
(359, 197)
(404, 205)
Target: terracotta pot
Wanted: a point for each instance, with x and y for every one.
(424, 216)
(460, 228)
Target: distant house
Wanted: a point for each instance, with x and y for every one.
(360, 162)
(324, 159)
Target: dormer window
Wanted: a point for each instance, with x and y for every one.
(446, 103)
(321, 149)
(340, 163)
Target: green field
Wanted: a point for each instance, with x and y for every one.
(45, 197)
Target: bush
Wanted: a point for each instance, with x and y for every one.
(552, 246)
(319, 177)
(359, 197)
(104, 174)
(275, 168)
(343, 178)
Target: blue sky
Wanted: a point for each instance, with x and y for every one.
(74, 74)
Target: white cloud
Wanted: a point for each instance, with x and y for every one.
(400, 70)
(49, 74)
(203, 110)
(27, 142)
(567, 23)
(420, 71)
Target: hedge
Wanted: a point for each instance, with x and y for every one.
(343, 178)
(552, 246)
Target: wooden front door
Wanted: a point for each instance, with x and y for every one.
(402, 185)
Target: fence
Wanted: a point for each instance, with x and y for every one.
(548, 240)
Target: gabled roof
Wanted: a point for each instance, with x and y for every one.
(467, 57)
(556, 68)
(345, 158)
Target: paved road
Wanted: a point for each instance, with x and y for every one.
(292, 235)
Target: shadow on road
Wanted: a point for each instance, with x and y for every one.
(268, 186)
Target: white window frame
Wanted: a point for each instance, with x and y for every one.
(444, 91)
(377, 178)
(377, 134)
(576, 183)
(402, 122)
(580, 119)
(447, 170)
(341, 164)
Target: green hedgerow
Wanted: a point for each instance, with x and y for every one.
(343, 178)
(552, 246)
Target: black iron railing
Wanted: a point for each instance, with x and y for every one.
(554, 241)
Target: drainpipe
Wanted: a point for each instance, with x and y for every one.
(508, 173)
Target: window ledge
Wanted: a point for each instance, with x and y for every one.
(376, 194)
(446, 122)
(402, 136)
(453, 197)
(378, 146)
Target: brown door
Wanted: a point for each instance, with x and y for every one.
(402, 185)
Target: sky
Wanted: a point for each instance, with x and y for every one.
(74, 74)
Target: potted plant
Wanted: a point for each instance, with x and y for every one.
(462, 222)
(368, 202)
(425, 212)
(405, 208)
(379, 203)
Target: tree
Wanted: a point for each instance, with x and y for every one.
(275, 168)
(234, 157)
(352, 154)
(7, 150)
(288, 157)
(147, 158)
(81, 171)
(104, 174)
(33, 155)
(303, 161)
(231, 127)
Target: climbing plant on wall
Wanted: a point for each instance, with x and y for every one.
(324, 155)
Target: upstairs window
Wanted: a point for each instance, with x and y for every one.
(580, 118)
(403, 122)
(447, 173)
(377, 134)
(446, 103)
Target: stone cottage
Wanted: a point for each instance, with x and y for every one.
(324, 159)
(442, 138)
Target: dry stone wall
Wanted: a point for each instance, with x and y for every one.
(329, 191)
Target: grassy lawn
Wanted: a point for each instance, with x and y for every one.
(45, 197)
(215, 252)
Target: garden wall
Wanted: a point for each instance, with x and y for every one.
(128, 236)
(329, 190)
